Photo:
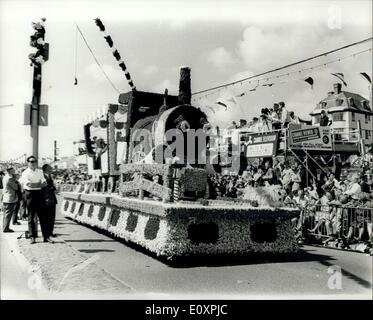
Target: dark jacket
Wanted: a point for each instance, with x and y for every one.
(324, 121)
(50, 191)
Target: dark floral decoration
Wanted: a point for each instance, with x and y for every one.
(90, 211)
(115, 215)
(66, 205)
(151, 229)
(73, 207)
(101, 213)
(131, 222)
(81, 209)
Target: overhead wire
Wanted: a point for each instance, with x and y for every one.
(283, 67)
(97, 62)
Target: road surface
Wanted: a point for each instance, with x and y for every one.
(305, 274)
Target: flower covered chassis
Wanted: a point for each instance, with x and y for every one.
(182, 229)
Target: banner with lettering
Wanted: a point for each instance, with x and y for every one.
(259, 145)
(310, 137)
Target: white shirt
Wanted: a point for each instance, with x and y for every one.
(353, 189)
(34, 176)
(285, 115)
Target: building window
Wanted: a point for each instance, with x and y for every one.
(353, 116)
(367, 118)
(338, 116)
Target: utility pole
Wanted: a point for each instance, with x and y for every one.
(55, 150)
(36, 114)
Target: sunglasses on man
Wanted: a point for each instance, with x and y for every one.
(32, 161)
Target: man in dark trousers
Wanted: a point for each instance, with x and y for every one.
(50, 199)
(9, 198)
(33, 181)
(19, 200)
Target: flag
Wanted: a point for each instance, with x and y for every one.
(240, 95)
(366, 77)
(254, 89)
(340, 76)
(309, 80)
(222, 104)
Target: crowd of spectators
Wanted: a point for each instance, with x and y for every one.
(275, 118)
(322, 199)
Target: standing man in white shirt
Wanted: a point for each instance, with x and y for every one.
(33, 181)
(285, 117)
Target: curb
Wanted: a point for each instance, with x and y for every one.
(339, 249)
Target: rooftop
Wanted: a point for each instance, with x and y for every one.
(343, 101)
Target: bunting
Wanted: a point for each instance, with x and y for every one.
(115, 52)
(222, 104)
(341, 77)
(366, 77)
(309, 80)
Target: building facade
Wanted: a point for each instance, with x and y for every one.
(348, 112)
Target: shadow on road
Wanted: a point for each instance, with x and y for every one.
(249, 259)
(95, 250)
(91, 240)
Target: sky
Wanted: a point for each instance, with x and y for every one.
(221, 41)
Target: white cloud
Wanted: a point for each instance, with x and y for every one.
(149, 70)
(221, 58)
(115, 75)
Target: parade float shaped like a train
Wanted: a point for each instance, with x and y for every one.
(164, 206)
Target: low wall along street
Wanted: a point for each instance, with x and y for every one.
(181, 229)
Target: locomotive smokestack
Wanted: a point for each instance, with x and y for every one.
(185, 91)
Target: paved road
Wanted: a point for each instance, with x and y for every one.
(305, 275)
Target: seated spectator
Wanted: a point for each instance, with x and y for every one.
(353, 188)
(324, 215)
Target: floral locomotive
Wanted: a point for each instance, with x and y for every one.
(158, 196)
